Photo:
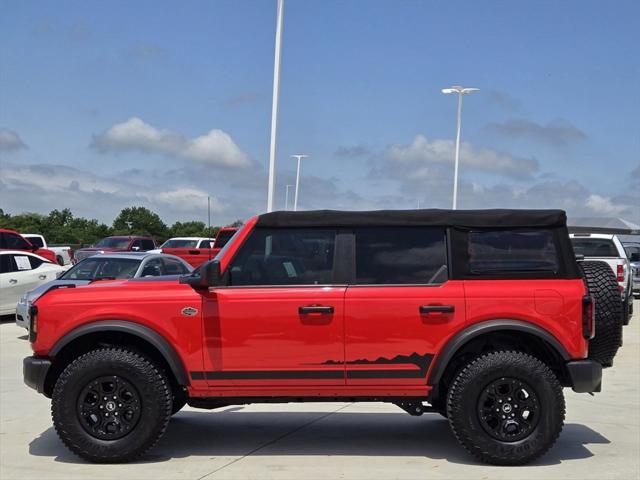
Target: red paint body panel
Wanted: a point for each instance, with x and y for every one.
(254, 329)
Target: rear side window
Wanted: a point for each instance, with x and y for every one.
(412, 255)
(285, 257)
(223, 237)
(512, 251)
(147, 244)
(594, 247)
(174, 267)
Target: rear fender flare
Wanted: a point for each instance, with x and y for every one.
(463, 337)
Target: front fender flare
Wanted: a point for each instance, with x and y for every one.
(160, 343)
(481, 328)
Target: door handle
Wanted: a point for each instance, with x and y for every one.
(427, 309)
(42, 277)
(315, 309)
(13, 281)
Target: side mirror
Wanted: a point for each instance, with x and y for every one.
(208, 276)
(635, 257)
(135, 249)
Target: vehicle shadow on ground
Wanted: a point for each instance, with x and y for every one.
(237, 433)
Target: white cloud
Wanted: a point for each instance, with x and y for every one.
(10, 141)
(214, 148)
(421, 153)
(604, 205)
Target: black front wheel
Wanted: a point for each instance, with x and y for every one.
(506, 408)
(111, 405)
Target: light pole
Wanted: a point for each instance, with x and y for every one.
(460, 91)
(286, 196)
(295, 198)
(274, 106)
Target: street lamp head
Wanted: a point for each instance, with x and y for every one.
(299, 157)
(459, 89)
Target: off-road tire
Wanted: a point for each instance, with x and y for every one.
(152, 389)
(464, 407)
(603, 288)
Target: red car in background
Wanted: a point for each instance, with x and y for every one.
(197, 256)
(12, 240)
(123, 243)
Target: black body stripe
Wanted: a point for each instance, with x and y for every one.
(307, 374)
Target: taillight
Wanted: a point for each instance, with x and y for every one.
(620, 273)
(588, 314)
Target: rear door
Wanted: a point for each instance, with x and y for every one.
(280, 322)
(400, 307)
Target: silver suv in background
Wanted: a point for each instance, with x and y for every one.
(608, 248)
(633, 253)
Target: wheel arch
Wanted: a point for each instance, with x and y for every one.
(116, 332)
(505, 329)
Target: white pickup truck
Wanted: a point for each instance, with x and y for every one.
(63, 254)
(609, 249)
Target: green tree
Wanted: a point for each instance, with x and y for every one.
(140, 221)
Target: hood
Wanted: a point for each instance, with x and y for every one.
(37, 292)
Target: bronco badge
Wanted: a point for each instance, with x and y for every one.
(189, 311)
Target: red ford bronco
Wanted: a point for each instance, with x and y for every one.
(480, 316)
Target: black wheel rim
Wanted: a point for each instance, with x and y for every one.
(508, 409)
(109, 407)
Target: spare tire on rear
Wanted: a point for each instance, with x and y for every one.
(603, 288)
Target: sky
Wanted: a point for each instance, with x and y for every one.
(105, 105)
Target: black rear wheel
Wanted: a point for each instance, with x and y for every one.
(506, 408)
(111, 405)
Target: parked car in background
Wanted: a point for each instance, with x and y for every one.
(196, 256)
(12, 240)
(186, 242)
(633, 252)
(63, 254)
(609, 249)
(20, 272)
(131, 243)
(112, 266)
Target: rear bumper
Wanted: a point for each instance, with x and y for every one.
(585, 376)
(34, 371)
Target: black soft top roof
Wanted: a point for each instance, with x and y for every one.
(497, 218)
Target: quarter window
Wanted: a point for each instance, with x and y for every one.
(285, 257)
(404, 255)
(512, 251)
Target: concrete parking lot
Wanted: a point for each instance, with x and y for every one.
(601, 437)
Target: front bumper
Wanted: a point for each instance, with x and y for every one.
(22, 315)
(585, 375)
(34, 371)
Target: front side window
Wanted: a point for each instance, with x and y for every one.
(224, 237)
(402, 255)
(285, 257)
(511, 251)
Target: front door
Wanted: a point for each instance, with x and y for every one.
(400, 306)
(280, 320)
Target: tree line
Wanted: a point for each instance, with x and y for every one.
(61, 226)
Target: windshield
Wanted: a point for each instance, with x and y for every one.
(179, 243)
(98, 268)
(223, 237)
(594, 247)
(35, 241)
(113, 242)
